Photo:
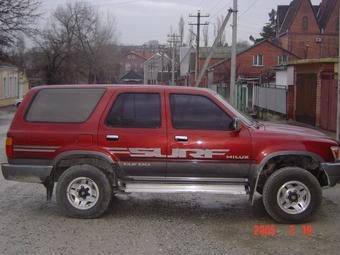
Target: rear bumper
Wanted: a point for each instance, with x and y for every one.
(332, 170)
(26, 173)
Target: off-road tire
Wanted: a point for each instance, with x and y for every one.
(277, 180)
(98, 177)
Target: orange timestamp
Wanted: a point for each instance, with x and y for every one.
(271, 230)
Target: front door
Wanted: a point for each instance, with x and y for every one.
(133, 129)
(201, 141)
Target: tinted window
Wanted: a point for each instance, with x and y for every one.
(64, 105)
(136, 110)
(197, 112)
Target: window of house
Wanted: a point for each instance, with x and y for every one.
(197, 112)
(6, 88)
(258, 60)
(64, 105)
(136, 110)
(282, 59)
(305, 23)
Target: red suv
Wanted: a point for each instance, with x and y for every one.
(96, 141)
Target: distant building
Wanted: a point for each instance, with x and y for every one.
(255, 65)
(132, 78)
(157, 69)
(13, 84)
(309, 31)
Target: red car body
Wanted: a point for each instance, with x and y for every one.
(146, 154)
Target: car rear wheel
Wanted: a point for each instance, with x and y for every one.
(83, 191)
(291, 195)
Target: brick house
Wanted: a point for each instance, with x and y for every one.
(309, 31)
(253, 64)
(133, 61)
(314, 93)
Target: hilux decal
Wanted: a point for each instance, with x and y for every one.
(176, 153)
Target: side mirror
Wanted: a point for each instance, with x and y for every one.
(237, 124)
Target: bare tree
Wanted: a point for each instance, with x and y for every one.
(206, 35)
(181, 29)
(191, 35)
(217, 26)
(79, 46)
(16, 17)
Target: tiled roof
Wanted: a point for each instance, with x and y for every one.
(326, 8)
(287, 13)
(281, 14)
(132, 75)
(290, 15)
(254, 46)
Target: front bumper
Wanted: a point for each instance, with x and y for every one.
(332, 170)
(26, 173)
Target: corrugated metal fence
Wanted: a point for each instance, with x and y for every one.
(271, 98)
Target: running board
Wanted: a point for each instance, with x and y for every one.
(184, 188)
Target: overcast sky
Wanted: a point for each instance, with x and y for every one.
(139, 21)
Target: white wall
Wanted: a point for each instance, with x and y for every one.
(285, 77)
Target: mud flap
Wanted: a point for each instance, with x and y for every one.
(49, 185)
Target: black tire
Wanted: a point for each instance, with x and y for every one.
(282, 177)
(96, 176)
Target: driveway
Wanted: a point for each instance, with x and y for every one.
(158, 224)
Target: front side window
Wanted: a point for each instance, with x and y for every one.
(197, 112)
(136, 110)
(66, 105)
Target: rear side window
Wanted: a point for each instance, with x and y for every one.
(136, 110)
(198, 113)
(69, 105)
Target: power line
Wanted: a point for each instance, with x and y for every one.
(249, 7)
(198, 24)
(173, 40)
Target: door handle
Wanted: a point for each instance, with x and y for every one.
(181, 138)
(112, 137)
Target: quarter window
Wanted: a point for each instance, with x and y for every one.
(136, 110)
(198, 113)
(63, 105)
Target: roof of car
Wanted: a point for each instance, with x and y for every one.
(120, 86)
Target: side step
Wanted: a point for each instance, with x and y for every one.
(184, 188)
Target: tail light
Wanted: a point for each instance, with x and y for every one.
(9, 147)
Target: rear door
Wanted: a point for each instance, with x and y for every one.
(133, 129)
(201, 140)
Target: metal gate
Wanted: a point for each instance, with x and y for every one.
(329, 89)
(306, 98)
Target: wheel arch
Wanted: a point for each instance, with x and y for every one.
(98, 159)
(286, 156)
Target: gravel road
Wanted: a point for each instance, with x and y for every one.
(157, 224)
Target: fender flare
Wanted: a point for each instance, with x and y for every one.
(85, 153)
(265, 160)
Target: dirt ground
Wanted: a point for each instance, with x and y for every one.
(158, 224)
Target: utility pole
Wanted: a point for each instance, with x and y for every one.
(233, 55)
(198, 25)
(207, 60)
(338, 111)
(173, 40)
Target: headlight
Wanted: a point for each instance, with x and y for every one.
(336, 152)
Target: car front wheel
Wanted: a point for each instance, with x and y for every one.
(291, 195)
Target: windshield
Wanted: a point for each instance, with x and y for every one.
(242, 116)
